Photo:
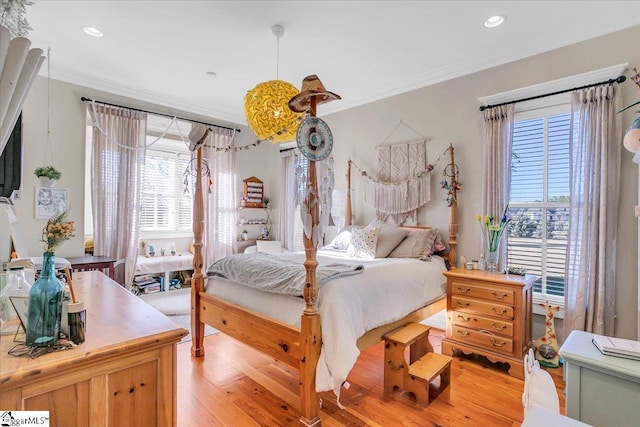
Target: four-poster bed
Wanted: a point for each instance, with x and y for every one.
(299, 346)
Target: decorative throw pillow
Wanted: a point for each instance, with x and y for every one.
(438, 245)
(363, 243)
(389, 238)
(417, 244)
(342, 240)
(269, 246)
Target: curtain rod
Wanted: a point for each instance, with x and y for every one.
(619, 79)
(83, 99)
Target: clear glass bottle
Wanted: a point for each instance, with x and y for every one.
(45, 306)
(482, 264)
(17, 286)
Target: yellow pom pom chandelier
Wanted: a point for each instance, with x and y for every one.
(266, 105)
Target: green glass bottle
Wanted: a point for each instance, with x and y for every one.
(45, 306)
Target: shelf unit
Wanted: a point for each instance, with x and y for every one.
(262, 214)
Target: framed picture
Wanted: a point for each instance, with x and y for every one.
(50, 201)
(21, 305)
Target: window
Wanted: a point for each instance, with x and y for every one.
(539, 202)
(164, 205)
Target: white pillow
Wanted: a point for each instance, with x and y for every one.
(363, 243)
(389, 237)
(251, 249)
(417, 244)
(342, 240)
(269, 246)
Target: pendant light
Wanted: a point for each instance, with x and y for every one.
(266, 105)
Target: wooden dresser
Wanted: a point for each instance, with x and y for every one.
(124, 374)
(489, 314)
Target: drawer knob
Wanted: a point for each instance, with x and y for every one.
(496, 343)
(464, 291)
(495, 294)
(464, 304)
(463, 333)
(464, 319)
(497, 311)
(494, 325)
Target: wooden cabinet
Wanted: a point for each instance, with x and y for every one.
(489, 314)
(252, 193)
(600, 390)
(123, 374)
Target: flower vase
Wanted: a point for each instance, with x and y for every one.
(45, 306)
(492, 259)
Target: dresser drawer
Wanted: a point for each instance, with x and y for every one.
(505, 296)
(485, 340)
(473, 306)
(484, 323)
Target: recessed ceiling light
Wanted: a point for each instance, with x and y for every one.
(92, 31)
(211, 74)
(494, 21)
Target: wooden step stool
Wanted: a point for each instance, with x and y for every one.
(423, 366)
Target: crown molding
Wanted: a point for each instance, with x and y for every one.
(110, 86)
(564, 83)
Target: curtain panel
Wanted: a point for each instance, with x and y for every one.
(220, 197)
(119, 136)
(594, 192)
(288, 201)
(496, 177)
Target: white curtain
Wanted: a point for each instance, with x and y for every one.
(220, 203)
(116, 163)
(287, 198)
(594, 192)
(496, 176)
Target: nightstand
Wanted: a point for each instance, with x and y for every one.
(489, 314)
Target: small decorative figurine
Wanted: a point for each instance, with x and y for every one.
(546, 347)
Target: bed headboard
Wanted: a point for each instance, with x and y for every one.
(451, 256)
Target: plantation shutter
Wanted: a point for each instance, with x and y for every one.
(539, 201)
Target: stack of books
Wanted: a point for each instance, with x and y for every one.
(147, 284)
(618, 347)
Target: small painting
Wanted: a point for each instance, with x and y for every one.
(50, 201)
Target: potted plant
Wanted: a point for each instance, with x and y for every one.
(47, 175)
(245, 235)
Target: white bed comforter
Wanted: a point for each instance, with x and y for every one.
(387, 290)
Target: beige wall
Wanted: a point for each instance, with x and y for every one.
(446, 113)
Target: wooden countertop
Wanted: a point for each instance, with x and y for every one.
(117, 322)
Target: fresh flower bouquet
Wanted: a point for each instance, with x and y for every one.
(57, 231)
(492, 232)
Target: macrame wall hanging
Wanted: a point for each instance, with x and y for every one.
(402, 182)
(401, 200)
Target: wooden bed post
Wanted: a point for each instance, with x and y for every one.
(453, 213)
(197, 280)
(348, 216)
(310, 332)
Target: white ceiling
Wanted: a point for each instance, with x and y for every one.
(159, 51)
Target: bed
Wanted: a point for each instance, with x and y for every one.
(231, 310)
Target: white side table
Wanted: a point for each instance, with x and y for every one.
(600, 390)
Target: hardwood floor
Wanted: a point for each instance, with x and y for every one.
(234, 385)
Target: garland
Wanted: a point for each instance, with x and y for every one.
(409, 194)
